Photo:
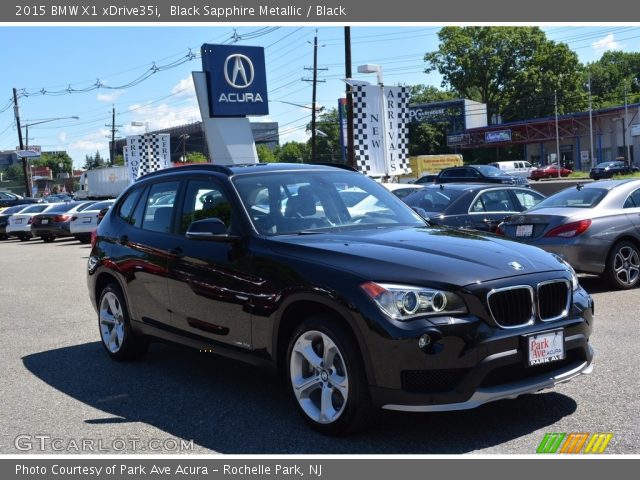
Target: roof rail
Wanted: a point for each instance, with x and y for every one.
(199, 166)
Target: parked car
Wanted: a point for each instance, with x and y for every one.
(595, 227)
(58, 198)
(549, 171)
(469, 205)
(516, 168)
(356, 311)
(55, 222)
(5, 214)
(84, 222)
(20, 223)
(401, 190)
(478, 174)
(428, 178)
(8, 199)
(609, 169)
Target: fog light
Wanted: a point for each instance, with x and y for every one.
(424, 341)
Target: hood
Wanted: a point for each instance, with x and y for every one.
(412, 255)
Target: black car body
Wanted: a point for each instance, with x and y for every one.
(54, 223)
(8, 199)
(468, 205)
(4, 218)
(478, 174)
(357, 309)
(609, 169)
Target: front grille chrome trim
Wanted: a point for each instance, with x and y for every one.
(567, 305)
(532, 316)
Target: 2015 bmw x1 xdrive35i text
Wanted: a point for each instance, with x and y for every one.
(358, 305)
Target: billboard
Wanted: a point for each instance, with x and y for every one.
(498, 136)
(236, 80)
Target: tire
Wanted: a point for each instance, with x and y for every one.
(24, 238)
(117, 337)
(48, 239)
(320, 340)
(622, 270)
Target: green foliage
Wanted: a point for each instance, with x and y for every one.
(293, 152)
(14, 172)
(265, 155)
(327, 147)
(119, 160)
(514, 70)
(428, 138)
(610, 75)
(94, 161)
(53, 160)
(196, 157)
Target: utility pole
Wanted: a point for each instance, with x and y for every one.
(113, 135)
(592, 164)
(626, 127)
(313, 96)
(555, 101)
(351, 158)
(25, 160)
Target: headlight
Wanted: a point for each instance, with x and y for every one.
(574, 277)
(403, 302)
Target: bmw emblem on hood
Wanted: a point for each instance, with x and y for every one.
(516, 266)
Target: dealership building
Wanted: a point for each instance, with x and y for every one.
(192, 138)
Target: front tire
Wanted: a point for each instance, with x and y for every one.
(326, 377)
(118, 338)
(623, 266)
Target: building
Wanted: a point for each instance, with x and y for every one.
(614, 137)
(8, 158)
(191, 138)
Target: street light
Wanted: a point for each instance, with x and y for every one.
(371, 68)
(141, 124)
(317, 108)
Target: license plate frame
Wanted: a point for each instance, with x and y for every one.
(542, 348)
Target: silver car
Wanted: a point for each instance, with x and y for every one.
(595, 227)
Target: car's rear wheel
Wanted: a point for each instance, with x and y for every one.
(326, 377)
(118, 338)
(623, 266)
(48, 238)
(24, 238)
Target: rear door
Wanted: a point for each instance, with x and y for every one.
(632, 209)
(490, 208)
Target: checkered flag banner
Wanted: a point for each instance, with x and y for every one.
(147, 153)
(380, 129)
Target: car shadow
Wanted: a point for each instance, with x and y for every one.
(230, 407)
(594, 284)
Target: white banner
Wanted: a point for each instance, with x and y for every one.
(380, 125)
(147, 153)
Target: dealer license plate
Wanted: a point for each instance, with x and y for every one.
(86, 220)
(545, 347)
(524, 230)
(18, 220)
(45, 221)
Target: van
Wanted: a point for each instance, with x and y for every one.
(519, 168)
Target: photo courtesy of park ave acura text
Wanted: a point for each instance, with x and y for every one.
(294, 239)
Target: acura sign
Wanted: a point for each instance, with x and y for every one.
(236, 80)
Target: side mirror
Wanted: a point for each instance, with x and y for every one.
(212, 229)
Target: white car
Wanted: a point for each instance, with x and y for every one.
(20, 223)
(401, 190)
(83, 223)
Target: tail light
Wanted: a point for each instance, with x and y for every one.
(61, 218)
(569, 230)
(94, 237)
(74, 218)
(30, 221)
(499, 231)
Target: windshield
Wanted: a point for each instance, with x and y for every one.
(36, 208)
(12, 210)
(433, 199)
(604, 164)
(572, 197)
(63, 207)
(310, 201)
(489, 171)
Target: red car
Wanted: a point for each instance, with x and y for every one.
(549, 171)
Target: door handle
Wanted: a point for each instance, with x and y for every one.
(123, 240)
(177, 252)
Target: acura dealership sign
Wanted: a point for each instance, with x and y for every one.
(236, 80)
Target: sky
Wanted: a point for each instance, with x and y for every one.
(145, 73)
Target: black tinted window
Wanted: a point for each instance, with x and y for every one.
(125, 212)
(204, 199)
(159, 209)
(633, 200)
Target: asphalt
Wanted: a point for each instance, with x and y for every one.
(60, 391)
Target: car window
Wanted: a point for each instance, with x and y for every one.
(453, 173)
(125, 212)
(433, 199)
(159, 207)
(489, 171)
(494, 201)
(633, 200)
(528, 199)
(471, 173)
(204, 199)
(575, 198)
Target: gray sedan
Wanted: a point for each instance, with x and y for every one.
(594, 227)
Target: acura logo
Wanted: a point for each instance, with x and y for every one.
(516, 266)
(241, 67)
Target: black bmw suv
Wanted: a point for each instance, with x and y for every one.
(359, 306)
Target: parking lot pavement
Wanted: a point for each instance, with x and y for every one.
(59, 389)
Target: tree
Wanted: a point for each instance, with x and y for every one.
(94, 161)
(611, 74)
(53, 160)
(293, 152)
(328, 138)
(265, 155)
(196, 157)
(119, 160)
(14, 172)
(428, 138)
(514, 70)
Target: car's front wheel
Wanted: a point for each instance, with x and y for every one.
(326, 377)
(623, 266)
(118, 339)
